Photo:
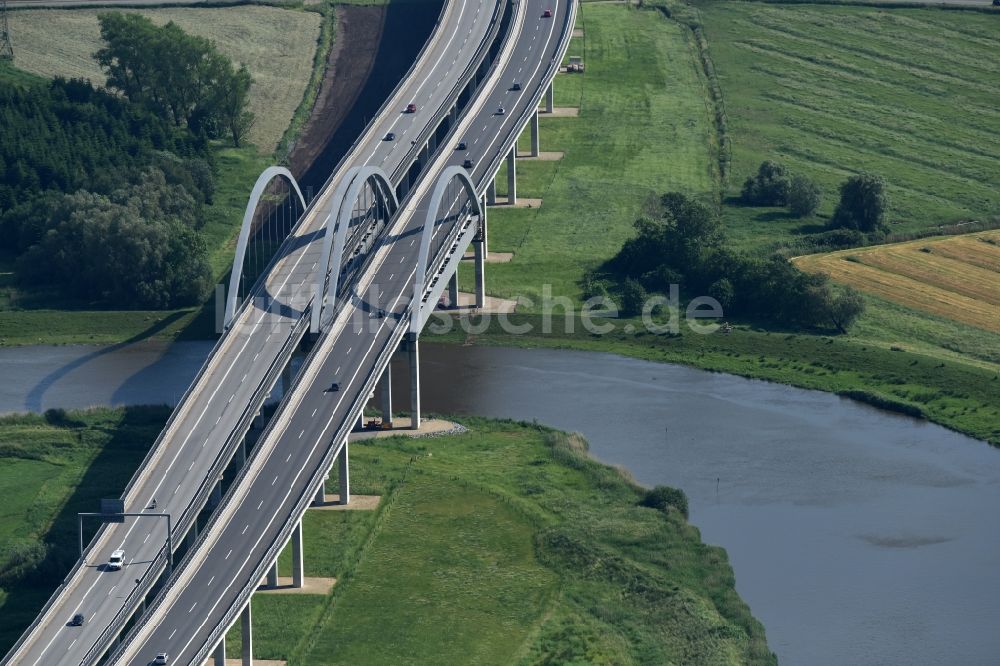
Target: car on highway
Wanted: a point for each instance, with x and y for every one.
(117, 560)
(161, 659)
(77, 620)
(468, 164)
(390, 136)
(500, 111)
(334, 387)
(411, 108)
(462, 146)
(516, 86)
(547, 13)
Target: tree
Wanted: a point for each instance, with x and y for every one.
(863, 204)
(804, 196)
(722, 291)
(134, 247)
(179, 76)
(845, 308)
(769, 187)
(633, 296)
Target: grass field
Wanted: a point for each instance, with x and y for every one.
(277, 45)
(957, 277)
(643, 129)
(501, 545)
(52, 467)
(911, 94)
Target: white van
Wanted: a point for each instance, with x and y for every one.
(116, 560)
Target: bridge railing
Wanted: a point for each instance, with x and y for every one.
(569, 20)
(204, 489)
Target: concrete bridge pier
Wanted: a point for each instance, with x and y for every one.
(272, 574)
(534, 134)
(241, 452)
(549, 98)
(432, 142)
(491, 192)
(387, 395)
(453, 289)
(220, 653)
(216, 498)
(453, 116)
(320, 498)
(344, 474)
(413, 355)
(286, 379)
(512, 177)
(192, 534)
(298, 568)
(246, 624)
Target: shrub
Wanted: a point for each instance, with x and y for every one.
(633, 297)
(804, 197)
(664, 498)
(863, 204)
(770, 187)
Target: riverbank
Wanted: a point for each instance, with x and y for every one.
(508, 534)
(958, 395)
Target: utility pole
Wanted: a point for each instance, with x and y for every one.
(6, 50)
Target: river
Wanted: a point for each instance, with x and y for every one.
(857, 536)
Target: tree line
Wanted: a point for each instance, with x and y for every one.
(102, 190)
(686, 245)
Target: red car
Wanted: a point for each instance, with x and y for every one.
(411, 108)
(547, 13)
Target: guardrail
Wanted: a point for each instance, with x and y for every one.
(206, 486)
(550, 73)
(258, 285)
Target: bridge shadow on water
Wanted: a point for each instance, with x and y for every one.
(34, 397)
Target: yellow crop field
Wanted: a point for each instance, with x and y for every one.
(957, 277)
(277, 46)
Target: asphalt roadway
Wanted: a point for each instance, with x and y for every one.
(214, 405)
(314, 420)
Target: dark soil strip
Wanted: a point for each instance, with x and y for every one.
(359, 77)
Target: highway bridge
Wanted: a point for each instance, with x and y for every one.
(360, 272)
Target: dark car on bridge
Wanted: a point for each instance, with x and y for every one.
(77, 620)
(468, 164)
(547, 13)
(411, 108)
(391, 136)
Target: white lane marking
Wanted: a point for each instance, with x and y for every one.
(300, 435)
(314, 412)
(147, 537)
(170, 637)
(301, 470)
(245, 528)
(260, 505)
(314, 448)
(417, 92)
(228, 554)
(210, 580)
(191, 610)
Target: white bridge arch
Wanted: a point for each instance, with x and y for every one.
(418, 316)
(338, 219)
(259, 188)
